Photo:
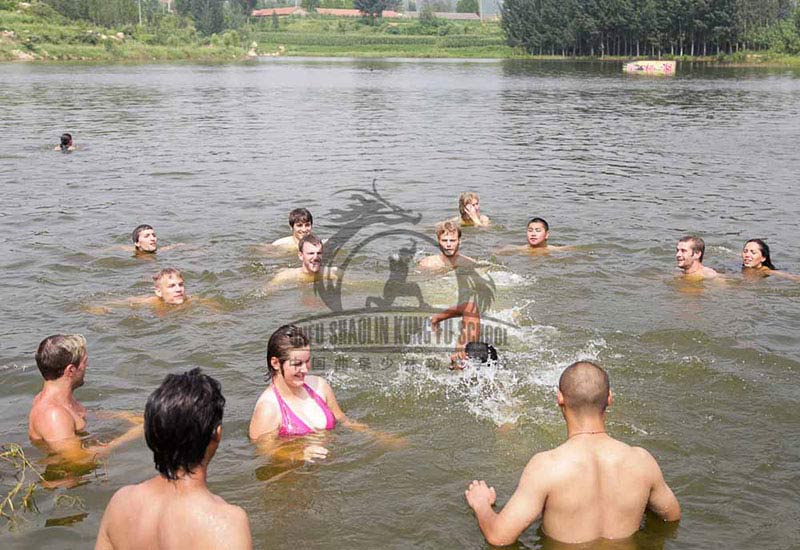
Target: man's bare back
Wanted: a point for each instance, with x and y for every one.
(590, 487)
(160, 514)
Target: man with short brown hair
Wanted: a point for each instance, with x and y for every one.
(689, 254)
(448, 235)
(590, 487)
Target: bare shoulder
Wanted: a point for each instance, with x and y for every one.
(429, 262)
(266, 415)
(284, 242)
(51, 421)
(318, 384)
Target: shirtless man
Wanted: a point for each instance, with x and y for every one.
(145, 241)
(66, 145)
(590, 487)
(56, 417)
(311, 270)
(175, 509)
(689, 256)
(301, 221)
(168, 287)
(449, 236)
(469, 209)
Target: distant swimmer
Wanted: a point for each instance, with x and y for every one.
(301, 221)
(311, 269)
(756, 261)
(145, 240)
(590, 487)
(537, 234)
(175, 509)
(689, 254)
(56, 417)
(448, 235)
(295, 403)
(66, 144)
(469, 210)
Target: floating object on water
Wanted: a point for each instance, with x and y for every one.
(650, 67)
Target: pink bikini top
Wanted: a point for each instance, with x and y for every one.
(291, 424)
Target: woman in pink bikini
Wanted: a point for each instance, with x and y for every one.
(296, 403)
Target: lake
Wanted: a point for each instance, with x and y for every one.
(215, 156)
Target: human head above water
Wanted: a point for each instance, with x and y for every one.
(463, 200)
(756, 254)
(300, 215)
(696, 244)
(66, 141)
(584, 388)
(284, 340)
(181, 418)
(447, 227)
(537, 232)
(168, 285)
(55, 353)
(480, 351)
(144, 238)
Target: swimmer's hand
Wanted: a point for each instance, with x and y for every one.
(479, 495)
(313, 452)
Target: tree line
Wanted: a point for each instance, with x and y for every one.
(651, 27)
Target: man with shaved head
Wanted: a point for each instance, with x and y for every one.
(590, 487)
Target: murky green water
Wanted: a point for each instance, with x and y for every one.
(215, 157)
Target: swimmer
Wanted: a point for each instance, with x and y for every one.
(175, 509)
(689, 256)
(145, 242)
(66, 144)
(469, 210)
(756, 261)
(577, 487)
(56, 417)
(537, 234)
(448, 234)
(311, 270)
(470, 330)
(301, 221)
(295, 403)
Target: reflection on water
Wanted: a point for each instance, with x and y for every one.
(216, 156)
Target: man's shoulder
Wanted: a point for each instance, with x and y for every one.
(284, 241)
(51, 421)
(429, 262)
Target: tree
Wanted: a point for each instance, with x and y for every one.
(207, 14)
(467, 6)
(374, 8)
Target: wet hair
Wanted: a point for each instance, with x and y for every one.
(282, 341)
(66, 141)
(696, 243)
(139, 229)
(310, 239)
(541, 221)
(56, 352)
(180, 418)
(480, 351)
(300, 215)
(463, 199)
(764, 252)
(584, 386)
(165, 272)
(447, 227)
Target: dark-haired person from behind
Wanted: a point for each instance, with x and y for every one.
(175, 509)
(66, 144)
(757, 263)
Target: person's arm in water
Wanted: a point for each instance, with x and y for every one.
(524, 507)
(662, 500)
(470, 326)
(58, 432)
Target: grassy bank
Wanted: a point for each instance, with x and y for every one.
(37, 33)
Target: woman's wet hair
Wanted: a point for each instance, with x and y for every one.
(180, 419)
(463, 200)
(66, 141)
(282, 341)
(764, 252)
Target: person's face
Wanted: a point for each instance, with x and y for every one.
(301, 229)
(296, 367)
(311, 257)
(148, 242)
(473, 206)
(80, 372)
(449, 243)
(752, 256)
(537, 234)
(684, 256)
(170, 289)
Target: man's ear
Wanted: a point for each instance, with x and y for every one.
(560, 398)
(610, 398)
(217, 435)
(157, 290)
